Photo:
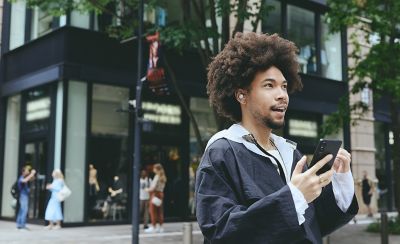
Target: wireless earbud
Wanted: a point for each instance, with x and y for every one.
(241, 96)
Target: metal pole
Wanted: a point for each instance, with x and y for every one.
(384, 228)
(138, 115)
(187, 233)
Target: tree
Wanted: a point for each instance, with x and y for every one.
(378, 69)
(197, 28)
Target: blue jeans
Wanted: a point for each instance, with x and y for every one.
(23, 210)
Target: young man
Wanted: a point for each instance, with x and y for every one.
(253, 186)
(27, 175)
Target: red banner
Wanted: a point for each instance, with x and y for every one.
(155, 74)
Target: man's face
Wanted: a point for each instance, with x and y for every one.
(267, 99)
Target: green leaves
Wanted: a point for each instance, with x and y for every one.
(375, 63)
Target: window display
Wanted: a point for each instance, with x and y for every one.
(108, 167)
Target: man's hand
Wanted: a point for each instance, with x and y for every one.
(309, 183)
(342, 161)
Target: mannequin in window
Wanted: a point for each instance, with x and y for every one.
(115, 190)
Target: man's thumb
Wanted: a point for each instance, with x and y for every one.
(300, 165)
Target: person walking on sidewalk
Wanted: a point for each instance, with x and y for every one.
(156, 199)
(53, 212)
(27, 175)
(144, 197)
(368, 188)
(253, 186)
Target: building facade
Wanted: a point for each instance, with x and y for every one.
(65, 89)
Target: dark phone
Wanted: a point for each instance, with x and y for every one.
(325, 147)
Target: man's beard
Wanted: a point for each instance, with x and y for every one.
(268, 122)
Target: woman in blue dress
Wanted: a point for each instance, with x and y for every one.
(53, 212)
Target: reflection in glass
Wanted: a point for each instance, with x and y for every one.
(108, 155)
(272, 23)
(206, 122)
(301, 30)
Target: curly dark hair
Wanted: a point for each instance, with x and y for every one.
(236, 65)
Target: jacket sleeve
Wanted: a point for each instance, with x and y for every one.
(330, 217)
(223, 218)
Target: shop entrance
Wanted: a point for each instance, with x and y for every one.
(35, 155)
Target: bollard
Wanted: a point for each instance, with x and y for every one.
(326, 240)
(384, 228)
(187, 233)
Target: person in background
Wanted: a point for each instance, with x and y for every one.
(144, 197)
(53, 212)
(157, 191)
(27, 174)
(367, 187)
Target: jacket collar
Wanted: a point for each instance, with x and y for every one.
(239, 134)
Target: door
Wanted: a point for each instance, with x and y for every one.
(35, 154)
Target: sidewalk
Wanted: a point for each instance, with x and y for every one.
(349, 234)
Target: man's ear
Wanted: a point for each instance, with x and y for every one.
(240, 96)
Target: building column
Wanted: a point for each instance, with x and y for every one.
(362, 132)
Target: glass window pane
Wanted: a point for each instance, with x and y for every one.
(331, 54)
(41, 23)
(272, 24)
(17, 26)
(79, 19)
(108, 155)
(208, 127)
(301, 30)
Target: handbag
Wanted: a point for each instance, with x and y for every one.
(156, 201)
(64, 193)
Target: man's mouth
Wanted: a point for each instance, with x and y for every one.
(281, 108)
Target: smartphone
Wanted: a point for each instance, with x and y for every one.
(325, 147)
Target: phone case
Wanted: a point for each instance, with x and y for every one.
(325, 147)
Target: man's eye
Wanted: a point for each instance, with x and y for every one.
(284, 87)
(268, 85)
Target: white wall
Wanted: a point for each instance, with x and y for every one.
(10, 173)
(75, 155)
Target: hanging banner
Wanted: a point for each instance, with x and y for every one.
(155, 74)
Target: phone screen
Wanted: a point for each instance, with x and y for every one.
(325, 147)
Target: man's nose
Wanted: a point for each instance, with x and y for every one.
(281, 94)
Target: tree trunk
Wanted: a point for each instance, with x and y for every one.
(224, 30)
(395, 127)
(178, 91)
(239, 27)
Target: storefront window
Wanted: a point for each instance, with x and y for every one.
(11, 171)
(272, 24)
(170, 157)
(331, 56)
(108, 163)
(206, 122)
(301, 30)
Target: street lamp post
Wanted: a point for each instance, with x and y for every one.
(137, 139)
